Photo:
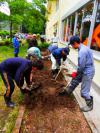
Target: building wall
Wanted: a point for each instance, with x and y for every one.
(65, 6)
(55, 16)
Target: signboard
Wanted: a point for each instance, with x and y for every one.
(4, 8)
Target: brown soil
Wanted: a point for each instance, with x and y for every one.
(47, 112)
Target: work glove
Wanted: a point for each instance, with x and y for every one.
(25, 89)
(74, 74)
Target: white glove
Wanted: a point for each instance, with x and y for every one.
(42, 57)
(25, 87)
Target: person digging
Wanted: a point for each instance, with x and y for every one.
(17, 69)
(84, 74)
(58, 56)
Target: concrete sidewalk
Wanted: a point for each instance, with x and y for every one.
(92, 117)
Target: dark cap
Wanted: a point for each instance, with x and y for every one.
(66, 50)
(74, 39)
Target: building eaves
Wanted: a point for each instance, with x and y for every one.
(75, 8)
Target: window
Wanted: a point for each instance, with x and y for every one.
(79, 24)
(70, 27)
(86, 22)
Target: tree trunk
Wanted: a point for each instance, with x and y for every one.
(11, 30)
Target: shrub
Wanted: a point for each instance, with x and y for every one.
(2, 43)
(7, 42)
(43, 45)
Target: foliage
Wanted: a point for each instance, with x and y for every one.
(4, 33)
(43, 45)
(34, 20)
(31, 16)
(5, 42)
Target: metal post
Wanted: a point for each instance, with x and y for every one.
(70, 25)
(67, 26)
(81, 30)
(61, 30)
(92, 22)
(75, 24)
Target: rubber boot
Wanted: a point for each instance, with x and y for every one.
(53, 73)
(66, 91)
(89, 105)
(56, 71)
(8, 102)
(71, 87)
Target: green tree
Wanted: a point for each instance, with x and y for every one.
(30, 15)
(34, 21)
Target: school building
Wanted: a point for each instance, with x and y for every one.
(76, 17)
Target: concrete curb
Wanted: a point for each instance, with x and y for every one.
(19, 120)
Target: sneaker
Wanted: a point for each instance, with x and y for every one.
(10, 104)
(86, 108)
(89, 105)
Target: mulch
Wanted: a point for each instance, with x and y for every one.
(47, 112)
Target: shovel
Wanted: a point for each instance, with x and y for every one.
(58, 73)
(61, 68)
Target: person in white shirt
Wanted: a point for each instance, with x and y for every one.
(54, 40)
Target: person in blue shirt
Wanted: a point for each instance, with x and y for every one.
(51, 48)
(85, 73)
(57, 55)
(15, 42)
(17, 69)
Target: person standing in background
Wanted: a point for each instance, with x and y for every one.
(54, 40)
(16, 45)
(33, 42)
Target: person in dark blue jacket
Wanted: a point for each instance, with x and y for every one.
(17, 69)
(56, 56)
(16, 45)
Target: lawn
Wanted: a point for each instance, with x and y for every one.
(7, 115)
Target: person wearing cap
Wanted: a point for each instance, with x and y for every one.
(85, 73)
(33, 52)
(33, 42)
(15, 42)
(56, 56)
(17, 69)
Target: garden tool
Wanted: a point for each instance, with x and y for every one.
(61, 68)
(76, 79)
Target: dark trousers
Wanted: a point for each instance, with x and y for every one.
(8, 79)
(75, 82)
(16, 51)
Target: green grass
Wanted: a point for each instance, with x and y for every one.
(11, 120)
(11, 114)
